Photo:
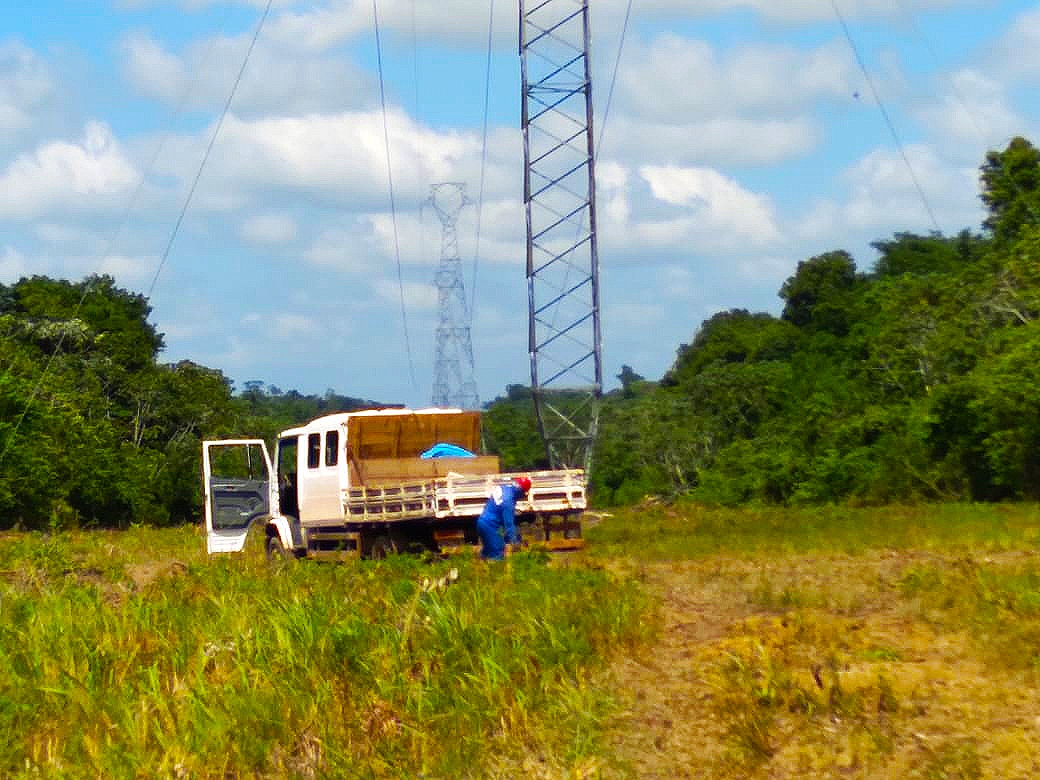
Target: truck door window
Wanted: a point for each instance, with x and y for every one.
(332, 448)
(288, 495)
(314, 450)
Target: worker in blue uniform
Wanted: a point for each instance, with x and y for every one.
(497, 523)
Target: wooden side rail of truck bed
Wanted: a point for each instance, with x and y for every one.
(463, 495)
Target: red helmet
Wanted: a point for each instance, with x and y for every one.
(524, 483)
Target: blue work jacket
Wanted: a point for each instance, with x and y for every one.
(500, 511)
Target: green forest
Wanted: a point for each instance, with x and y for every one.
(915, 380)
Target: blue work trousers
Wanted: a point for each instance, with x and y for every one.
(494, 544)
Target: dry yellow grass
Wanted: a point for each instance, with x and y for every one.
(830, 666)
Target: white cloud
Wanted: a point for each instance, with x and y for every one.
(25, 82)
(713, 208)
(319, 26)
(715, 141)
(341, 249)
(1017, 54)
(883, 197)
(973, 109)
(131, 271)
(268, 229)
(289, 327)
(793, 11)
(13, 265)
(342, 156)
(82, 176)
(279, 78)
(675, 78)
(417, 296)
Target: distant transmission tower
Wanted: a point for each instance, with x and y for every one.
(453, 383)
(560, 196)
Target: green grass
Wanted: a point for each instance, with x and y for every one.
(225, 668)
(689, 531)
(132, 654)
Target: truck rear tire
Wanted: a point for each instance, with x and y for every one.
(380, 547)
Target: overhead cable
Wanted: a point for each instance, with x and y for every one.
(209, 148)
(613, 78)
(483, 160)
(959, 96)
(885, 116)
(91, 281)
(390, 180)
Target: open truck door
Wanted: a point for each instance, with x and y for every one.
(238, 490)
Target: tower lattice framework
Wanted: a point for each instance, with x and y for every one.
(453, 382)
(560, 200)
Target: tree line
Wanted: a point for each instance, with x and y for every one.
(916, 380)
(94, 429)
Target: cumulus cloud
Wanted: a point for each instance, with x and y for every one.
(882, 196)
(321, 25)
(288, 326)
(1017, 53)
(131, 271)
(82, 176)
(797, 10)
(973, 109)
(713, 209)
(13, 265)
(675, 78)
(25, 82)
(417, 296)
(341, 156)
(713, 141)
(339, 248)
(268, 229)
(279, 78)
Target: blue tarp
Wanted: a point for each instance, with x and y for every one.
(447, 451)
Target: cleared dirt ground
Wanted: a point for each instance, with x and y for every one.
(835, 666)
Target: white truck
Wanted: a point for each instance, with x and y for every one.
(354, 484)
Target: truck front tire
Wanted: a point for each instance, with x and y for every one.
(276, 552)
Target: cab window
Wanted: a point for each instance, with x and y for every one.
(314, 450)
(331, 448)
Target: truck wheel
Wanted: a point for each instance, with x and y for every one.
(572, 529)
(276, 553)
(380, 547)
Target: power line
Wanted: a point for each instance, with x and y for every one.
(884, 114)
(613, 78)
(483, 161)
(390, 180)
(964, 107)
(209, 148)
(91, 281)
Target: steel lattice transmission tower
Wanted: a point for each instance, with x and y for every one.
(453, 383)
(560, 199)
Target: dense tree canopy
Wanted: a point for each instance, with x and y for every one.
(915, 380)
(919, 379)
(1011, 189)
(93, 429)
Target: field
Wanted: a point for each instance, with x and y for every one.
(685, 642)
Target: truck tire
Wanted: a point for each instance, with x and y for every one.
(379, 547)
(275, 551)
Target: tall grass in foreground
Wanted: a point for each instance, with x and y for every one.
(684, 530)
(114, 666)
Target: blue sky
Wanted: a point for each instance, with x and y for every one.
(742, 138)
